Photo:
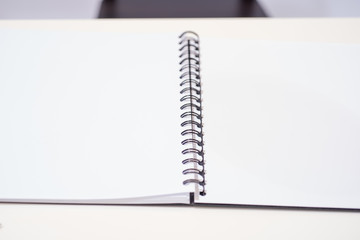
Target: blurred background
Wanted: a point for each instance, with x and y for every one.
(85, 9)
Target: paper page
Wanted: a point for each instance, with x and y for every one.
(281, 123)
(89, 115)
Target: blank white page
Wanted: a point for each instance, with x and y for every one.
(89, 115)
(281, 123)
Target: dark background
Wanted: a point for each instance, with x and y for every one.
(179, 9)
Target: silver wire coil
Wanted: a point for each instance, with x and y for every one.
(192, 110)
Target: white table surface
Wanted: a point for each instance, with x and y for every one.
(27, 221)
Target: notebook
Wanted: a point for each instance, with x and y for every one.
(115, 118)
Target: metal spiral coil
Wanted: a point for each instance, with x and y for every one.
(192, 110)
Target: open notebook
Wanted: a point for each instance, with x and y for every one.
(110, 118)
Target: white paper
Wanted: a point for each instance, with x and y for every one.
(281, 123)
(89, 115)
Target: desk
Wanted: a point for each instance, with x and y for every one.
(26, 221)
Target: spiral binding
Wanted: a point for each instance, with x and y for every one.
(192, 110)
